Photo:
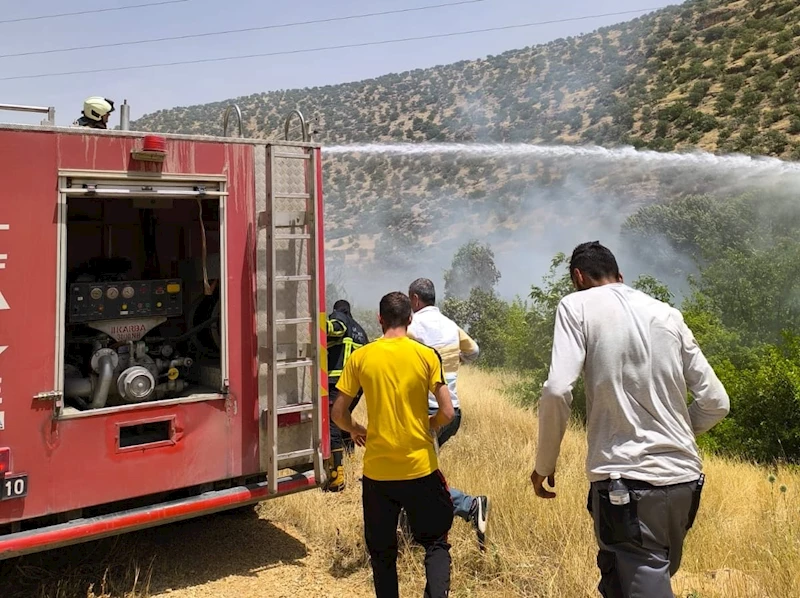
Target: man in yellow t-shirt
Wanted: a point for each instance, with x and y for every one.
(401, 469)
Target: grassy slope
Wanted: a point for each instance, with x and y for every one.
(546, 548)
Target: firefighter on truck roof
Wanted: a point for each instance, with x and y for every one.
(96, 111)
(345, 335)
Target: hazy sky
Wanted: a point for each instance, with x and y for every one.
(155, 88)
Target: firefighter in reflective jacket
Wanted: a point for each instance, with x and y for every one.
(345, 335)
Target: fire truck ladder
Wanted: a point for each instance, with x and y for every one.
(289, 335)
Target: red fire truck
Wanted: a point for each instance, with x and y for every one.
(162, 345)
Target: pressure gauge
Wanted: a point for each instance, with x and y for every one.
(127, 292)
(96, 293)
(112, 293)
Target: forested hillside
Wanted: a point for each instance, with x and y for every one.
(720, 75)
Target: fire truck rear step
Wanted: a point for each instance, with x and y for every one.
(19, 543)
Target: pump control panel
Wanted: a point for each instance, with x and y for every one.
(93, 301)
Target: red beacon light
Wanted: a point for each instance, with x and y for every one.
(154, 143)
(154, 149)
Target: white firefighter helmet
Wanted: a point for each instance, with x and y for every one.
(96, 107)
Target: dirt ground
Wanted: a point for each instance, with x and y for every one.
(228, 555)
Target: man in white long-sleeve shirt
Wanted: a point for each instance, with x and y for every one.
(638, 359)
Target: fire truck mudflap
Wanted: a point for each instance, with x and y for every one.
(162, 344)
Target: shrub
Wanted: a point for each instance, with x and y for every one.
(775, 142)
(764, 422)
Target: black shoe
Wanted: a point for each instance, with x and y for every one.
(479, 513)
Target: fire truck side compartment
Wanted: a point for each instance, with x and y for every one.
(73, 464)
(124, 304)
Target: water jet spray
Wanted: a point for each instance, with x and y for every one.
(737, 163)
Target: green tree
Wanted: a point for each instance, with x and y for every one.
(484, 315)
(473, 267)
(744, 311)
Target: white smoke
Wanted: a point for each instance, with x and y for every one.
(596, 190)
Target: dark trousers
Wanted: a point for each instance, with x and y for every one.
(340, 440)
(430, 515)
(641, 543)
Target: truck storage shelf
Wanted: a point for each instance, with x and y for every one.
(132, 193)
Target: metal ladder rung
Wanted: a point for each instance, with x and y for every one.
(300, 408)
(303, 156)
(286, 365)
(293, 278)
(296, 454)
(292, 321)
(282, 219)
(291, 196)
(284, 236)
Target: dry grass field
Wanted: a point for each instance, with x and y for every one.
(745, 544)
(746, 541)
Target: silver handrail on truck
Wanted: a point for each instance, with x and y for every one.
(305, 126)
(227, 115)
(49, 111)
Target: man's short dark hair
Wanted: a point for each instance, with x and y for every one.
(423, 288)
(342, 306)
(395, 310)
(594, 260)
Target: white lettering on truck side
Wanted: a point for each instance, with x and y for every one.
(3, 305)
(3, 259)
